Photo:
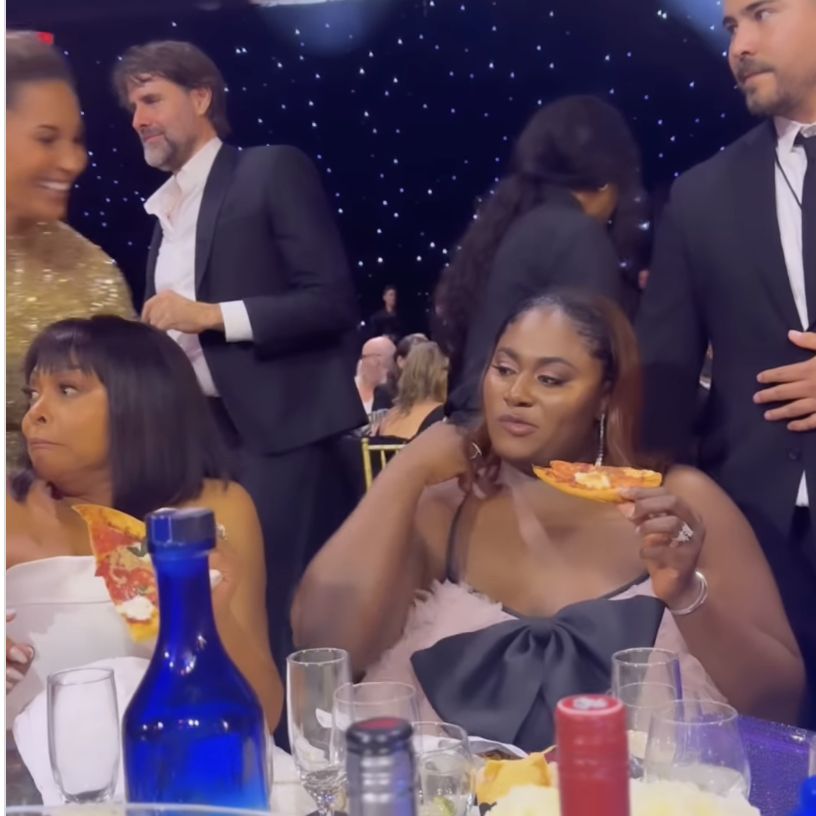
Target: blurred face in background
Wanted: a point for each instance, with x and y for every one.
(773, 55)
(45, 151)
(376, 361)
(171, 121)
(390, 299)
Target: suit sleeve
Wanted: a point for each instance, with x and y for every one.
(576, 254)
(673, 341)
(320, 302)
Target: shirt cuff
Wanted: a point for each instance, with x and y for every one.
(237, 328)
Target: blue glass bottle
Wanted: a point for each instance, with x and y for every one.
(194, 732)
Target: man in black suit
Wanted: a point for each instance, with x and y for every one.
(735, 265)
(247, 272)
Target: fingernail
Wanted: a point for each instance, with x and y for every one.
(13, 675)
(18, 655)
(10, 613)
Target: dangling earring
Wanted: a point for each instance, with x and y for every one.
(601, 440)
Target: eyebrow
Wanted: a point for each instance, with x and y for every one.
(540, 361)
(749, 9)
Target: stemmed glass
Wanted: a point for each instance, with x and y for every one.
(366, 701)
(446, 769)
(312, 678)
(83, 734)
(698, 741)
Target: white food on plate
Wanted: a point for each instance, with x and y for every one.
(654, 799)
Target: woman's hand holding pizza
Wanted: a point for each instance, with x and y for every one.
(673, 535)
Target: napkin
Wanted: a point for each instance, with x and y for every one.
(31, 737)
(31, 727)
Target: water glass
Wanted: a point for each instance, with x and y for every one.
(367, 701)
(313, 676)
(642, 701)
(83, 734)
(812, 757)
(646, 666)
(698, 741)
(446, 769)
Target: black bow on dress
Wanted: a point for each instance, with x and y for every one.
(504, 682)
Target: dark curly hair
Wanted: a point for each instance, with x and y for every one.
(578, 143)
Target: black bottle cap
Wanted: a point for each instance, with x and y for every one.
(379, 737)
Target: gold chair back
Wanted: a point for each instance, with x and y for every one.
(373, 452)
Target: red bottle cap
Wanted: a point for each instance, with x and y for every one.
(591, 727)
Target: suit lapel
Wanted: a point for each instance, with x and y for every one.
(756, 206)
(152, 257)
(215, 191)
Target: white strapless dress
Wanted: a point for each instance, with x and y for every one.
(64, 612)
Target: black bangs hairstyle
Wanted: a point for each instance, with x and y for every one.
(609, 338)
(163, 440)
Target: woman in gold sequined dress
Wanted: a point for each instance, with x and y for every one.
(52, 272)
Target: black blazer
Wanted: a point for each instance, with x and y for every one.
(266, 235)
(719, 275)
(555, 245)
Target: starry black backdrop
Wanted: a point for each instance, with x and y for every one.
(409, 108)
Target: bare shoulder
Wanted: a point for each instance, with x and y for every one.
(225, 496)
(685, 480)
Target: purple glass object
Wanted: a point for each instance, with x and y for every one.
(779, 764)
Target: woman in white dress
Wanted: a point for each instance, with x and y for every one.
(116, 418)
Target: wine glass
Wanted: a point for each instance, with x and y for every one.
(367, 701)
(83, 734)
(698, 741)
(312, 678)
(642, 701)
(646, 666)
(446, 769)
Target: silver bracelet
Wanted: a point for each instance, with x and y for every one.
(698, 601)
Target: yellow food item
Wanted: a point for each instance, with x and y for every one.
(500, 776)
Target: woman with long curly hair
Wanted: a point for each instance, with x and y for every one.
(567, 213)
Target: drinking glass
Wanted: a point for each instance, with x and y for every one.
(646, 666)
(367, 701)
(446, 769)
(83, 734)
(812, 757)
(312, 678)
(642, 701)
(698, 741)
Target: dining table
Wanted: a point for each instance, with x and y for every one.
(778, 756)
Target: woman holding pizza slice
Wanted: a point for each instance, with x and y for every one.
(497, 594)
(116, 419)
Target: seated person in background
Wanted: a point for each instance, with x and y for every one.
(497, 595)
(386, 322)
(116, 418)
(421, 394)
(385, 394)
(375, 361)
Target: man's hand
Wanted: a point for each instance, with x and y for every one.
(795, 385)
(169, 310)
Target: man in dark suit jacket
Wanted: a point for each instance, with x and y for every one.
(247, 271)
(735, 266)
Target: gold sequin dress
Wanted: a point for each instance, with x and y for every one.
(52, 273)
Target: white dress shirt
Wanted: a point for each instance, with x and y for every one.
(176, 204)
(790, 185)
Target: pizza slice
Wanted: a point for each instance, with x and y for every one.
(122, 561)
(596, 482)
